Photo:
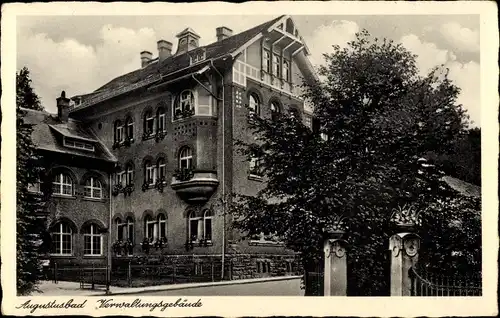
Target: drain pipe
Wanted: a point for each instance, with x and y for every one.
(223, 173)
(109, 260)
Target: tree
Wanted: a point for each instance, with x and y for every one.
(376, 121)
(29, 208)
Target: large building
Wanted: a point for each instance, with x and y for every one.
(149, 158)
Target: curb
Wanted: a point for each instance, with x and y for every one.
(141, 290)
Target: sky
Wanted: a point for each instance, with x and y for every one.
(79, 54)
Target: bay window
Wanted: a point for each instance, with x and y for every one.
(185, 158)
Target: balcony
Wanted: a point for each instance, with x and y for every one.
(195, 185)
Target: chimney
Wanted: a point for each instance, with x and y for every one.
(164, 50)
(146, 57)
(63, 107)
(223, 33)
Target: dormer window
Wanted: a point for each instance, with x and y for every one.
(77, 144)
(197, 56)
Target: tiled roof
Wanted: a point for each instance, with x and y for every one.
(47, 127)
(176, 63)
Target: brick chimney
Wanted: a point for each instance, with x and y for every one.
(164, 50)
(223, 33)
(146, 57)
(63, 107)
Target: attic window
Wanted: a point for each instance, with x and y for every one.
(198, 56)
(77, 144)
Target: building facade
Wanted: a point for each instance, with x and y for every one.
(161, 140)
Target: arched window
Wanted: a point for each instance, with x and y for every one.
(207, 225)
(130, 229)
(254, 104)
(267, 61)
(184, 105)
(118, 131)
(286, 71)
(149, 170)
(92, 240)
(161, 167)
(185, 158)
(93, 188)
(62, 185)
(275, 110)
(149, 123)
(120, 229)
(129, 174)
(276, 65)
(162, 226)
(62, 239)
(129, 123)
(160, 115)
(149, 228)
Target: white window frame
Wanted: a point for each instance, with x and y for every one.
(276, 65)
(59, 180)
(119, 136)
(61, 235)
(129, 223)
(161, 167)
(94, 232)
(130, 127)
(286, 70)
(162, 123)
(267, 61)
(162, 224)
(254, 103)
(199, 227)
(207, 216)
(120, 178)
(148, 117)
(147, 222)
(150, 175)
(119, 224)
(186, 155)
(95, 184)
(129, 175)
(254, 165)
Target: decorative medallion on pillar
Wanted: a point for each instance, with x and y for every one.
(335, 278)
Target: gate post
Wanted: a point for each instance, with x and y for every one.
(335, 277)
(404, 247)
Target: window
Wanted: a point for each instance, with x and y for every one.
(161, 119)
(92, 240)
(149, 123)
(207, 225)
(185, 158)
(129, 174)
(162, 226)
(150, 173)
(286, 71)
(120, 178)
(255, 167)
(200, 227)
(130, 128)
(62, 185)
(254, 104)
(276, 65)
(120, 229)
(62, 239)
(72, 143)
(289, 26)
(161, 168)
(184, 105)
(118, 131)
(267, 61)
(93, 188)
(275, 110)
(149, 228)
(130, 229)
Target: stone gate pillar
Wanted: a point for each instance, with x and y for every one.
(335, 277)
(404, 247)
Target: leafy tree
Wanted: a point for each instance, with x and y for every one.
(29, 207)
(376, 121)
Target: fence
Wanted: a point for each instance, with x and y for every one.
(138, 275)
(314, 280)
(424, 283)
(88, 276)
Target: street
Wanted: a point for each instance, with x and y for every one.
(289, 287)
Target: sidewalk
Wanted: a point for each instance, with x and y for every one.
(48, 288)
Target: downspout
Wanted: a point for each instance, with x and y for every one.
(109, 233)
(223, 174)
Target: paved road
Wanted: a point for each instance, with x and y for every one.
(272, 288)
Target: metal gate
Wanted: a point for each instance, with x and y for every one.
(424, 283)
